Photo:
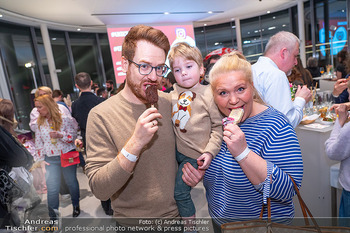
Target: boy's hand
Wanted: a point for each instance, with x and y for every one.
(204, 161)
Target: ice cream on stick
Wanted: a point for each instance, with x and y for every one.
(235, 116)
(152, 94)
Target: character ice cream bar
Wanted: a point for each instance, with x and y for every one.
(235, 117)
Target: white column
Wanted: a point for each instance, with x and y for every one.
(301, 26)
(238, 35)
(49, 56)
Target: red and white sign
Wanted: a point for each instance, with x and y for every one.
(175, 34)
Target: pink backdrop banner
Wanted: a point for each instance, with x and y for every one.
(175, 33)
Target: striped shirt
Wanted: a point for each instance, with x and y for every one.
(230, 194)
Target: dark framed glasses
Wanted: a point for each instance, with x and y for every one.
(146, 69)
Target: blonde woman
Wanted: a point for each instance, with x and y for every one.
(43, 90)
(55, 134)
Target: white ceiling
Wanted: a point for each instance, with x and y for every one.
(94, 15)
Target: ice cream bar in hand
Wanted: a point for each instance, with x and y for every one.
(235, 116)
(152, 94)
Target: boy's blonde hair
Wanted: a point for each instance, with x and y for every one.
(186, 51)
(233, 61)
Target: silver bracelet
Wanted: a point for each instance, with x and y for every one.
(130, 157)
(243, 154)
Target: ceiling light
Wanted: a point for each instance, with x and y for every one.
(246, 42)
(274, 17)
(271, 28)
(0, 15)
(166, 13)
(248, 32)
(268, 12)
(232, 19)
(233, 26)
(210, 12)
(216, 43)
(283, 25)
(205, 24)
(343, 11)
(79, 29)
(54, 38)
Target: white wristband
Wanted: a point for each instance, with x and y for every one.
(242, 155)
(130, 157)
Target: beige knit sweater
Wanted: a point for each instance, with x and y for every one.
(149, 190)
(201, 120)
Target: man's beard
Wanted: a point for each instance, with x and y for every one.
(109, 88)
(135, 88)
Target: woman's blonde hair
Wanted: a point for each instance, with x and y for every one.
(7, 112)
(233, 61)
(53, 109)
(45, 89)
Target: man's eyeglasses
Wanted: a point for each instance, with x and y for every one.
(145, 69)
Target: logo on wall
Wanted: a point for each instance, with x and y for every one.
(339, 40)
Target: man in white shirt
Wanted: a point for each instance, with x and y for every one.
(270, 76)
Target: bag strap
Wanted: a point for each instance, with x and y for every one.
(303, 207)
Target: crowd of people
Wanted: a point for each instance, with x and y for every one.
(144, 154)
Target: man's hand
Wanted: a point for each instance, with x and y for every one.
(192, 176)
(339, 86)
(304, 92)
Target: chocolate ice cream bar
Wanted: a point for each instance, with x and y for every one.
(152, 94)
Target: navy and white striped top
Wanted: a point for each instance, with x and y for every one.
(230, 194)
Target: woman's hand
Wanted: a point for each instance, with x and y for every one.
(235, 139)
(192, 176)
(55, 134)
(342, 112)
(339, 86)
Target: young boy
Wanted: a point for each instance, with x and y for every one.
(196, 120)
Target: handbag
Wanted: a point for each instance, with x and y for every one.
(70, 158)
(266, 226)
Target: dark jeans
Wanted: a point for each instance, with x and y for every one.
(53, 182)
(344, 209)
(182, 190)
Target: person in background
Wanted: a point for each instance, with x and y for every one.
(258, 155)
(34, 114)
(270, 78)
(205, 80)
(94, 88)
(169, 81)
(102, 92)
(80, 111)
(203, 119)
(312, 67)
(12, 154)
(212, 59)
(110, 88)
(57, 95)
(340, 90)
(342, 68)
(338, 148)
(55, 135)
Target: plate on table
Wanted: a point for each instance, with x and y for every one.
(309, 119)
(327, 121)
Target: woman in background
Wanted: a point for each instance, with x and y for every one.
(55, 134)
(12, 153)
(338, 148)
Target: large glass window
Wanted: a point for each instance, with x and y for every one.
(199, 33)
(251, 38)
(107, 58)
(85, 54)
(62, 63)
(16, 49)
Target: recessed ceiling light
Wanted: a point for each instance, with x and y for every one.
(210, 12)
(274, 17)
(166, 13)
(54, 38)
(0, 15)
(79, 29)
(268, 12)
(205, 24)
(216, 43)
(232, 19)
